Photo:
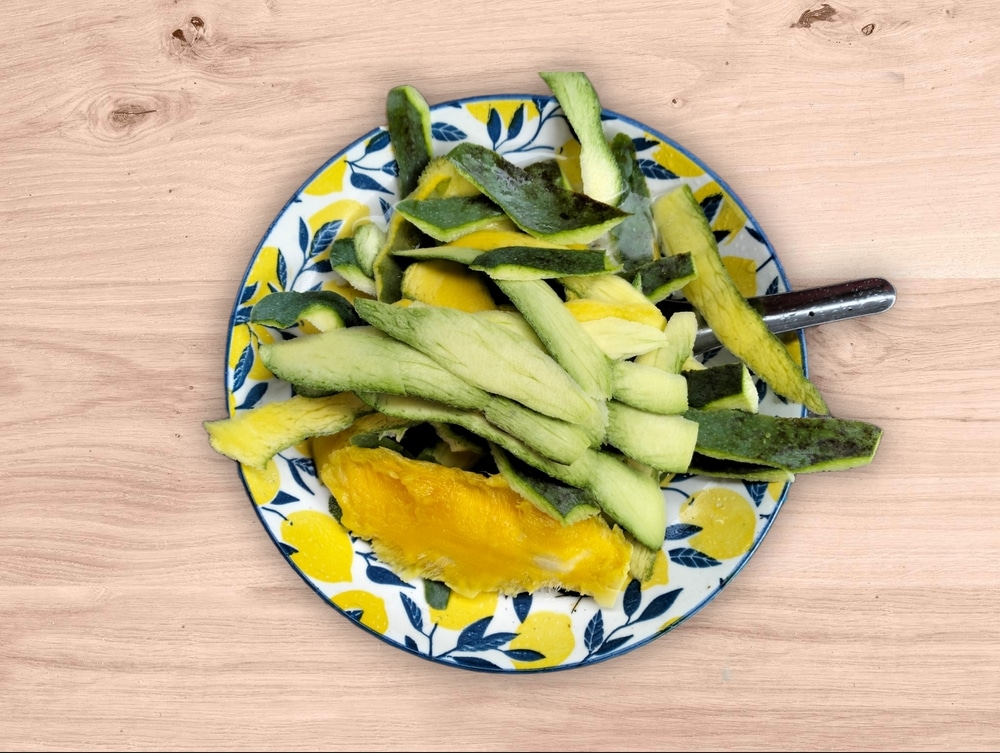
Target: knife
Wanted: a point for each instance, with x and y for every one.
(797, 309)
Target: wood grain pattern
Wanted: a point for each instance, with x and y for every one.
(144, 149)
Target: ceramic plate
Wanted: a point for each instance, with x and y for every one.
(714, 526)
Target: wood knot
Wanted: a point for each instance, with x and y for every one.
(116, 117)
(867, 29)
(126, 114)
(825, 12)
(195, 32)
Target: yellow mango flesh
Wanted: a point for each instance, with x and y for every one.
(589, 309)
(253, 437)
(490, 240)
(440, 282)
(472, 532)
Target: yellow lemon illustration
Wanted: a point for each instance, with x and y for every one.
(726, 519)
(676, 162)
(264, 271)
(349, 212)
(372, 608)
(548, 633)
(744, 274)
(249, 334)
(661, 574)
(462, 611)
(505, 109)
(263, 483)
(775, 488)
(793, 345)
(331, 180)
(569, 163)
(324, 547)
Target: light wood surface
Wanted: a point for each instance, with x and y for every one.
(144, 149)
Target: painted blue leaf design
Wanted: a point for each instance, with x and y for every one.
(386, 208)
(355, 614)
(318, 285)
(642, 144)
(362, 181)
(653, 169)
(522, 605)
(282, 272)
(659, 606)
(242, 369)
(540, 103)
(411, 644)
(324, 237)
(474, 662)
(306, 465)
(447, 132)
(303, 235)
(298, 478)
(755, 235)
(254, 394)
(413, 612)
(283, 498)
(720, 235)
(272, 288)
(593, 636)
(691, 558)
(710, 205)
(321, 266)
(384, 576)
(377, 142)
(613, 644)
(524, 654)
(391, 168)
(473, 633)
(287, 549)
(756, 491)
(761, 389)
(516, 121)
(681, 531)
(242, 315)
(632, 598)
(248, 292)
(490, 642)
(493, 126)
(773, 287)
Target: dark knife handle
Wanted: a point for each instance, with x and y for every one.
(785, 312)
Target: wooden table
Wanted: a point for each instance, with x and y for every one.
(144, 149)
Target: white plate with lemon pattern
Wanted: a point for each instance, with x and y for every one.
(714, 526)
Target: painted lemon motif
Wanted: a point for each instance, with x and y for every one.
(548, 633)
(264, 271)
(744, 274)
(569, 163)
(726, 519)
(462, 611)
(505, 109)
(263, 483)
(676, 162)
(331, 180)
(371, 607)
(349, 212)
(793, 345)
(324, 547)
